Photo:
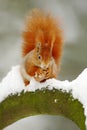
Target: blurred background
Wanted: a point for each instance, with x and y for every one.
(73, 14)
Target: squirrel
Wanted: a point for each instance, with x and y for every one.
(41, 47)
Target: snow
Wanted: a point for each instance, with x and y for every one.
(13, 84)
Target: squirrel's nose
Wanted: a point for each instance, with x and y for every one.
(44, 66)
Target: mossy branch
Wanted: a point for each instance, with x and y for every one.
(52, 102)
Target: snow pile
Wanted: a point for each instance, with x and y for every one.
(13, 83)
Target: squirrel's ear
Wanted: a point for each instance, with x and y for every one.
(52, 42)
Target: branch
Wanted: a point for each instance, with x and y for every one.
(53, 102)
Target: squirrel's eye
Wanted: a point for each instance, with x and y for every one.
(39, 57)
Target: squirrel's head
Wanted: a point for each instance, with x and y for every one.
(43, 49)
(43, 55)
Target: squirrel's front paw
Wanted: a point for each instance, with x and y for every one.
(49, 73)
(39, 76)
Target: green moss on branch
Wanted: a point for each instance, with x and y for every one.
(52, 102)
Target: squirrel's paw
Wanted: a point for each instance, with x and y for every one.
(49, 73)
(26, 82)
(39, 76)
(42, 75)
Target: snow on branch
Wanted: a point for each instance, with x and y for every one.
(13, 84)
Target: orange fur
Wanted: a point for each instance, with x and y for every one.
(46, 28)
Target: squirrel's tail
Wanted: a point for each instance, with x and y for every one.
(40, 21)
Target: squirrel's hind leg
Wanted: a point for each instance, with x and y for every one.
(26, 82)
(26, 78)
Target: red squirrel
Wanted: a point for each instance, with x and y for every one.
(41, 47)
